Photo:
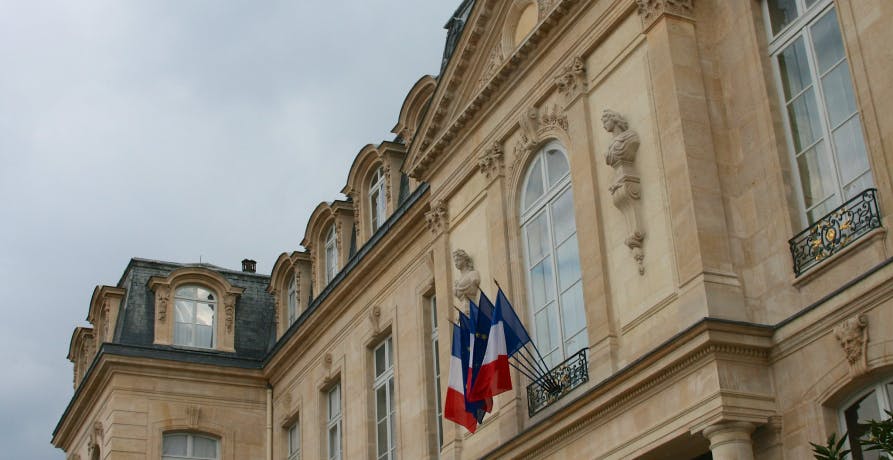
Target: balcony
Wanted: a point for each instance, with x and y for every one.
(835, 231)
(560, 380)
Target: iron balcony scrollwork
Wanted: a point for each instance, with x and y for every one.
(835, 231)
(558, 382)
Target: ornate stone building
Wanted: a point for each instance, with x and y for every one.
(686, 200)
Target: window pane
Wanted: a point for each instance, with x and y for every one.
(568, 263)
(827, 42)
(556, 165)
(816, 175)
(183, 333)
(805, 125)
(204, 336)
(851, 155)
(391, 393)
(794, 67)
(382, 438)
(204, 447)
(204, 294)
(381, 403)
(174, 444)
(821, 210)
(186, 291)
(563, 216)
(572, 314)
(294, 440)
(781, 13)
(838, 91)
(863, 410)
(576, 343)
(858, 186)
(335, 402)
(541, 283)
(380, 364)
(537, 231)
(547, 328)
(534, 188)
(334, 442)
(204, 314)
(182, 311)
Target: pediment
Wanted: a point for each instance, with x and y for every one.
(490, 48)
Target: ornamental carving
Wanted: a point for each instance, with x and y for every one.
(852, 335)
(229, 310)
(386, 167)
(544, 6)
(327, 361)
(355, 199)
(650, 10)
(467, 285)
(536, 125)
(571, 80)
(491, 161)
(494, 61)
(193, 415)
(162, 300)
(375, 318)
(438, 217)
(626, 189)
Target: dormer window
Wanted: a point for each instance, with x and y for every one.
(194, 317)
(292, 301)
(331, 265)
(377, 208)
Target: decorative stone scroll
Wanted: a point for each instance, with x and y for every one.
(852, 334)
(438, 217)
(626, 190)
(491, 161)
(571, 80)
(467, 285)
(651, 10)
(535, 125)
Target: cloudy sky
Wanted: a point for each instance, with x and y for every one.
(173, 130)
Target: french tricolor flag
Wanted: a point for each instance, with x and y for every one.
(489, 368)
(456, 408)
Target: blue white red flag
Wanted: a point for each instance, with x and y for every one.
(454, 407)
(516, 336)
(490, 373)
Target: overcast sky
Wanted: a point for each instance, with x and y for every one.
(173, 130)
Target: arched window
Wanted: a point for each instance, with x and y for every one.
(870, 405)
(377, 208)
(551, 255)
(292, 300)
(331, 265)
(188, 446)
(194, 316)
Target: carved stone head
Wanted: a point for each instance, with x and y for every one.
(852, 336)
(612, 120)
(462, 260)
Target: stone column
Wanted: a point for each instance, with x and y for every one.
(730, 441)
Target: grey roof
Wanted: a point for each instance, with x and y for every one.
(454, 28)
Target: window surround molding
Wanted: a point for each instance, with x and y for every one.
(412, 110)
(340, 215)
(105, 306)
(289, 267)
(227, 295)
(81, 351)
(182, 422)
(389, 157)
(292, 411)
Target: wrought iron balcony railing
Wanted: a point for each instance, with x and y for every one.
(835, 231)
(560, 380)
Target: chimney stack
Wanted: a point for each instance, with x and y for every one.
(249, 266)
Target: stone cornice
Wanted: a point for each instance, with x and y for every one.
(427, 150)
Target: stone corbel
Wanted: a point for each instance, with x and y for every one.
(491, 162)
(571, 80)
(438, 217)
(626, 191)
(852, 334)
(652, 10)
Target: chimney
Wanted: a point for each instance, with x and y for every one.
(249, 266)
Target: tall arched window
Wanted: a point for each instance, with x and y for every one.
(188, 446)
(551, 255)
(331, 255)
(194, 316)
(292, 300)
(377, 208)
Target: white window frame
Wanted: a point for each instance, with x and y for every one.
(333, 422)
(435, 364)
(294, 441)
(801, 27)
(384, 381)
(194, 302)
(190, 439)
(331, 255)
(884, 402)
(377, 207)
(537, 208)
(292, 300)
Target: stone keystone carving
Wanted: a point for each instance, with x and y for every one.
(438, 217)
(535, 126)
(467, 285)
(650, 10)
(491, 161)
(626, 190)
(162, 300)
(852, 334)
(571, 80)
(193, 414)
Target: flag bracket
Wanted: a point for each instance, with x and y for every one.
(558, 382)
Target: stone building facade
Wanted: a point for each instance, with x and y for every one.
(686, 200)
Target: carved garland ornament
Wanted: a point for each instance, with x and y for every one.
(626, 191)
(571, 81)
(491, 161)
(852, 334)
(438, 217)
